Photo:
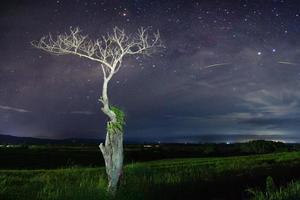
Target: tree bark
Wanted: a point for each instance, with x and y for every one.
(113, 157)
(113, 150)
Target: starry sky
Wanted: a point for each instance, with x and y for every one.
(230, 68)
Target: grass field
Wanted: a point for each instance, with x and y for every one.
(206, 178)
(271, 192)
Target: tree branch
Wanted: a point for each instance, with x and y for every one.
(108, 51)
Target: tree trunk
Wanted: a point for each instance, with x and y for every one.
(113, 157)
(113, 150)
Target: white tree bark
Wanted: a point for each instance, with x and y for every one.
(109, 52)
(113, 156)
(113, 150)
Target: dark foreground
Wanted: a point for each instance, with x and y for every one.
(192, 178)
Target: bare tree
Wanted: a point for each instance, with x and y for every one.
(109, 51)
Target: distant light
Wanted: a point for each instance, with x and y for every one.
(259, 53)
(227, 142)
(273, 50)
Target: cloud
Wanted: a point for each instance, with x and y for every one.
(273, 108)
(20, 110)
(264, 108)
(274, 103)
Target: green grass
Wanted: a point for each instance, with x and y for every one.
(164, 179)
(271, 192)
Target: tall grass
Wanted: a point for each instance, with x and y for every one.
(72, 184)
(3, 184)
(165, 179)
(289, 192)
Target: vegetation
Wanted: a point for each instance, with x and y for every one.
(289, 192)
(261, 146)
(164, 179)
(120, 116)
(57, 156)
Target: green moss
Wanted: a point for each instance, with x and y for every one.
(117, 126)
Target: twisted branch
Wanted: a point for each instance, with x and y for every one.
(108, 50)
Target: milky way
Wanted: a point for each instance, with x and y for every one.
(230, 68)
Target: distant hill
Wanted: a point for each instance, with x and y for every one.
(227, 138)
(8, 139)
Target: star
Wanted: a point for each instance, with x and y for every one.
(246, 46)
(124, 12)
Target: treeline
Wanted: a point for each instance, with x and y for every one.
(252, 147)
(57, 156)
(203, 150)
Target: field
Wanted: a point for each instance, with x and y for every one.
(204, 178)
(88, 155)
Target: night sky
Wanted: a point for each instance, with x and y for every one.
(229, 68)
